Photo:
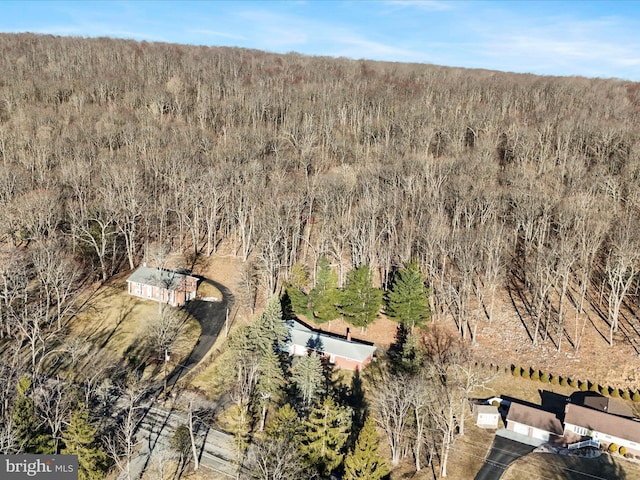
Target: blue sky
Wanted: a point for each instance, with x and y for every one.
(588, 38)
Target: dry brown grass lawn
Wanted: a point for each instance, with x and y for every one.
(207, 290)
(115, 324)
(521, 388)
(544, 466)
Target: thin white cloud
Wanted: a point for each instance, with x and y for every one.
(357, 47)
(214, 33)
(557, 45)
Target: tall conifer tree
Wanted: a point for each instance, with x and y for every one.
(365, 461)
(408, 300)
(30, 433)
(325, 296)
(80, 439)
(308, 377)
(360, 299)
(327, 431)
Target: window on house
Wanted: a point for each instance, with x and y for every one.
(580, 430)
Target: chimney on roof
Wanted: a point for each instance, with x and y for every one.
(348, 334)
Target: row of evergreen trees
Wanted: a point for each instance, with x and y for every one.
(316, 427)
(359, 302)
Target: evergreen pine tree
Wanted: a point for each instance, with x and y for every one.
(408, 299)
(286, 425)
(270, 383)
(308, 377)
(80, 439)
(325, 296)
(298, 303)
(327, 431)
(29, 432)
(296, 286)
(360, 300)
(412, 354)
(269, 330)
(365, 461)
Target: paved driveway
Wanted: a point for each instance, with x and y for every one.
(504, 451)
(211, 317)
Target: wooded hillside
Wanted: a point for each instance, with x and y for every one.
(113, 149)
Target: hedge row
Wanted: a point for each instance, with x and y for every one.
(584, 386)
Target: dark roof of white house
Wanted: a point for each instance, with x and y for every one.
(602, 422)
(157, 277)
(609, 405)
(302, 335)
(534, 417)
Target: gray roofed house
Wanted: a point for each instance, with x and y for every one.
(609, 405)
(166, 286)
(533, 422)
(605, 427)
(340, 351)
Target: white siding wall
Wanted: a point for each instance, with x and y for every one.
(487, 419)
(603, 437)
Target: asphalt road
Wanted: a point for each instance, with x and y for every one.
(215, 448)
(211, 317)
(503, 452)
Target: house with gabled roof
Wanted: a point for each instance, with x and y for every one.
(160, 285)
(583, 422)
(341, 351)
(533, 422)
(607, 404)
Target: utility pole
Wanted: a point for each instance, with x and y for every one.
(166, 361)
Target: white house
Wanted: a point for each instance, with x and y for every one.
(486, 416)
(582, 422)
(343, 352)
(533, 422)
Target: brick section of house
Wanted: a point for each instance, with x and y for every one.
(165, 286)
(340, 351)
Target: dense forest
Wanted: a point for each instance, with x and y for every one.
(112, 151)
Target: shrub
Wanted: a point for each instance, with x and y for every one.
(563, 381)
(593, 387)
(495, 403)
(626, 394)
(574, 383)
(614, 392)
(515, 371)
(553, 379)
(535, 375)
(622, 450)
(613, 448)
(544, 378)
(636, 396)
(524, 373)
(583, 386)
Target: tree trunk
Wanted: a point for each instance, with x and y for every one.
(194, 450)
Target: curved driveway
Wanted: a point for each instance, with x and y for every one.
(504, 452)
(211, 317)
